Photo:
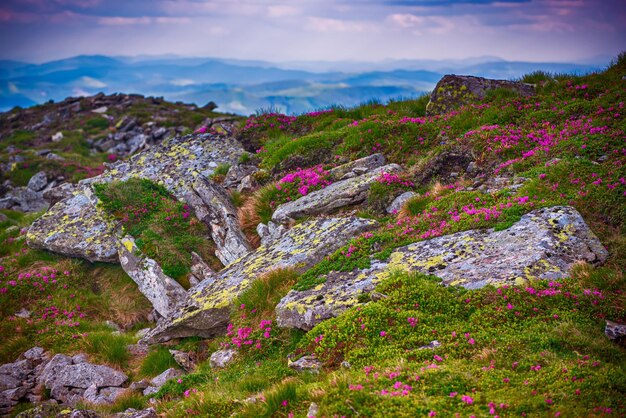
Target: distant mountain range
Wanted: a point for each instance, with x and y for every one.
(244, 87)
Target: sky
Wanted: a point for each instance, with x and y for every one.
(315, 30)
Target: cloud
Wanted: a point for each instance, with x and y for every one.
(142, 20)
(284, 30)
(420, 24)
(183, 82)
(92, 83)
(406, 20)
(320, 24)
(282, 11)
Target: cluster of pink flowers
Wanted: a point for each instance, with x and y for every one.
(270, 120)
(303, 181)
(392, 179)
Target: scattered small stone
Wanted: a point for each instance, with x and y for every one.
(140, 385)
(183, 359)
(138, 350)
(400, 201)
(222, 358)
(313, 410)
(23, 313)
(306, 363)
(614, 330)
(38, 181)
(58, 137)
(430, 346)
(345, 364)
(134, 413)
(376, 296)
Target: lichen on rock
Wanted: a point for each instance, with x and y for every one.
(543, 245)
(77, 227)
(339, 194)
(454, 91)
(206, 310)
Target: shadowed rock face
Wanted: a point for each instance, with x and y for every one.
(206, 310)
(339, 194)
(454, 91)
(77, 227)
(544, 244)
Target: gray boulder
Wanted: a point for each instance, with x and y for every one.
(83, 375)
(339, 194)
(400, 201)
(103, 396)
(38, 181)
(237, 173)
(454, 91)
(161, 290)
(206, 311)
(76, 227)
(543, 245)
(358, 167)
(52, 369)
(183, 359)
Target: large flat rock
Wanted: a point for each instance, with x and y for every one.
(77, 227)
(339, 194)
(206, 311)
(544, 244)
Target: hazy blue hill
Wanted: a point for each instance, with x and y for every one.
(244, 86)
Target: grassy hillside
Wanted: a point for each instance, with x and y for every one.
(534, 349)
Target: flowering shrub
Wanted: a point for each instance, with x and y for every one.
(302, 182)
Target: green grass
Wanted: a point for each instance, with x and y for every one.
(265, 292)
(108, 347)
(164, 228)
(157, 361)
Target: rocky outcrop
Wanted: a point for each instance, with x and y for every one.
(30, 198)
(69, 379)
(18, 380)
(161, 290)
(544, 244)
(206, 310)
(213, 206)
(454, 91)
(339, 194)
(77, 227)
(53, 410)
